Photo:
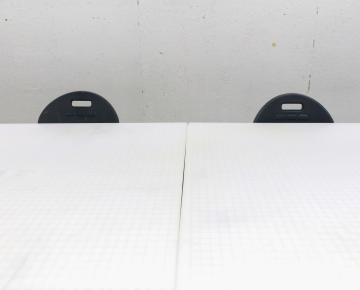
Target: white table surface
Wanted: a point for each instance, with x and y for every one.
(271, 206)
(96, 207)
(90, 206)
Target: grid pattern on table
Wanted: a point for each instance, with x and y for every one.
(271, 207)
(73, 217)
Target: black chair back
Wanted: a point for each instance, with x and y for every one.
(79, 107)
(293, 108)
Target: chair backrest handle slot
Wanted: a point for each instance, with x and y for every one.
(291, 107)
(81, 104)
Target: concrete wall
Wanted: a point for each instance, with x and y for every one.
(179, 60)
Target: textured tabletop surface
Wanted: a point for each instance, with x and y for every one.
(97, 207)
(271, 206)
(90, 206)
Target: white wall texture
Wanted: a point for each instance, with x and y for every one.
(179, 60)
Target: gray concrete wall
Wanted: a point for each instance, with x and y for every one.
(179, 60)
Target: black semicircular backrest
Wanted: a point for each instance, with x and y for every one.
(293, 108)
(79, 107)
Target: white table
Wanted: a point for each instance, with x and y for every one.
(271, 206)
(90, 206)
(97, 207)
